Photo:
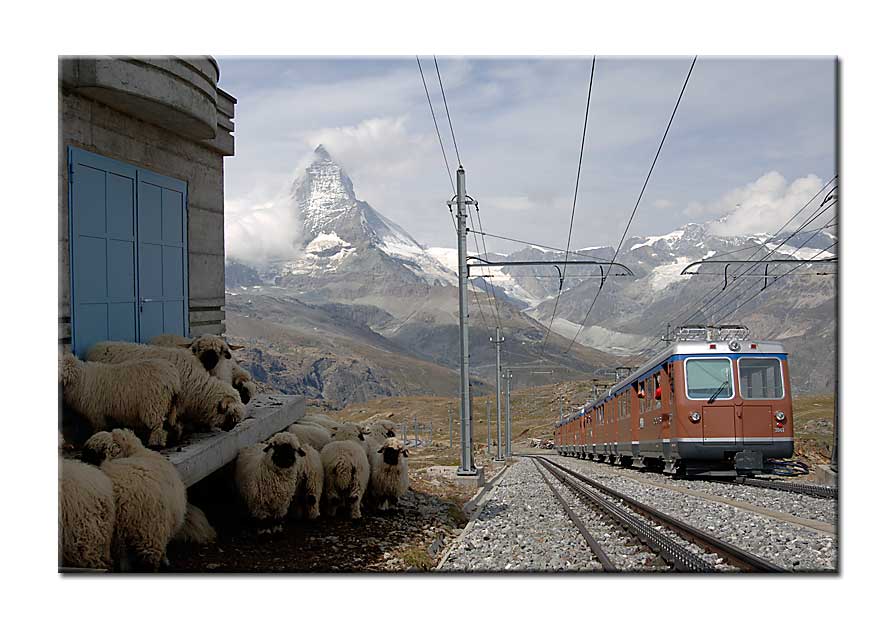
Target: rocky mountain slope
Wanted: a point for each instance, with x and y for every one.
(364, 273)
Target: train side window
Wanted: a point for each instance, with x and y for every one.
(658, 393)
(761, 378)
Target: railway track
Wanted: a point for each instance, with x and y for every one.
(820, 491)
(679, 557)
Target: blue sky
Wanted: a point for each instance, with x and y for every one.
(754, 137)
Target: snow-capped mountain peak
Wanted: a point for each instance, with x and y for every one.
(337, 230)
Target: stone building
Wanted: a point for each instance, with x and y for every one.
(141, 197)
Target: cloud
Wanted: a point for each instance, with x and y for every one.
(761, 206)
(518, 127)
(258, 233)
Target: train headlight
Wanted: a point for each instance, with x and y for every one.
(780, 416)
(734, 346)
(695, 417)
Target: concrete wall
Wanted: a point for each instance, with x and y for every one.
(148, 135)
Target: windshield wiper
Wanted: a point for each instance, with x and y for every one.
(717, 392)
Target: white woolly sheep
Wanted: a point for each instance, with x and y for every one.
(379, 431)
(388, 474)
(86, 516)
(308, 485)
(312, 435)
(242, 383)
(266, 475)
(351, 433)
(139, 394)
(321, 421)
(346, 472)
(150, 498)
(204, 401)
(215, 355)
(196, 528)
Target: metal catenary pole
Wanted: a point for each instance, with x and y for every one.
(489, 426)
(498, 374)
(508, 427)
(467, 466)
(451, 425)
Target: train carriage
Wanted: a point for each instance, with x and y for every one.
(712, 403)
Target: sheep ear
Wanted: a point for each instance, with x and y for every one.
(235, 347)
(380, 450)
(404, 452)
(300, 451)
(267, 448)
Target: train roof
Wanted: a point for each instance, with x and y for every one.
(745, 347)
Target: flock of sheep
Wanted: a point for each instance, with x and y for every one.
(123, 502)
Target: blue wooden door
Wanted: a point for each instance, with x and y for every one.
(161, 203)
(128, 252)
(103, 250)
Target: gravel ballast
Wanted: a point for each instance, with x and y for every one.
(791, 546)
(521, 528)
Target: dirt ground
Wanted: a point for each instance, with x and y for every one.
(411, 538)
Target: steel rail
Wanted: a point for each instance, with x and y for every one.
(681, 558)
(595, 547)
(819, 491)
(734, 555)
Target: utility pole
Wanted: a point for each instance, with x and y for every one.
(416, 432)
(451, 424)
(489, 426)
(508, 427)
(497, 343)
(467, 466)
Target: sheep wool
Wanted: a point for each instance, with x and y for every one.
(242, 383)
(321, 421)
(266, 474)
(312, 435)
(140, 395)
(196, 529)
(204, 401)
(346, 472)
(150, 499)
(308, 485)
(389, 479)
(86, 516)
(215, 355)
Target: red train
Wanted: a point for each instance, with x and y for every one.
(713, 403)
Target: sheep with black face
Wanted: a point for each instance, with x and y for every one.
(266, 476)
(216, 355)
(204, 402)
(150, 498)
(346, 473)
(389, 479)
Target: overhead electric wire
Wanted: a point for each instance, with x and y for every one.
(437, 132)
(492, 297)
(450, 178)
(522, 241)
(817, 212)
(639, 198)
(802, 245)
(590, 88)
(448, 111)
(756, 294)
(714, 293)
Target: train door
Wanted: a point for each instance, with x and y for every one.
(709, 380)
(761, 383)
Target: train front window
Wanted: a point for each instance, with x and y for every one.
(761, 378)
(710, 379)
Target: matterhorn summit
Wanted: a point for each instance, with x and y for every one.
(339, 234)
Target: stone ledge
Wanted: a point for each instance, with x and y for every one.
(207, 452)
